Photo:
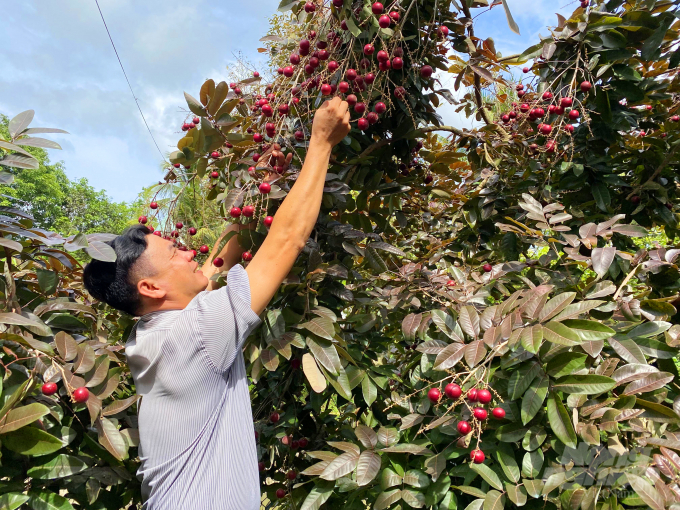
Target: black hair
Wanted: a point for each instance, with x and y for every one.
(115, 283)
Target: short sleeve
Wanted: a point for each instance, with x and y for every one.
(225, 319)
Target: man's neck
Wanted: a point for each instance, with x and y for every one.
(179, 303)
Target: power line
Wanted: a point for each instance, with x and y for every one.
(128, 81)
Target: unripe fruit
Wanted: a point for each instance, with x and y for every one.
(434, 395)
(268, 221)
(426, 71)
(452, 390)
(291, 475)
(464, 428)
(280, 493)
(377, 8)
(285, 440)
(397, 63)
(192, 231)
(477, 456)
(153, 205)
(204, 249)
(484, 396)
(369, 49)
(362, 124)
(235, 212)
(248, 211)
(586, 86)
(143, 220)
(480, 413)
(274, 417)
(49, 388)
(265, 188)
(487, 268)
(218, 262)
(498, 413)
(472, 395)
(81, 395)
(385, 21)
(247, 256)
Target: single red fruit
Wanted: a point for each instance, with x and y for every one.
(237, 91)
(267, 110)
(338, 3)
(268, 221)
(362, 124)
(377, 8)
(550, 146)
(265, 188)
(472, 395)
(295, 444)
(260, 466)
(574, 114)
(477, 456)
(434, 395)
(372, 117)
(251, 170)
(586, 86)
(291, 475)
(385, 21)
(443, 31)
(635, 199)
(484, 396)
(480, 413)
(214, 174)
(547, 95)
(400, 92)
(569, 128)
(274, 417)
(192, 231)
(428, 179)
(326, 89)
(360, 108)
(351, 99)
(382, 56)
(487, 268)
(675, 118)
(520, 93)
(380, 107)
(303, 442)
(258, 138)
(333, 66)
(235, 212)
(204, 249)
(452, 390)
(566, 102)
(256, 74)
(369, 49)
(49, 388)
(281, 493)
(81, 395)
(524, 108)
(545, 129)
(310, 7)
(426, 71)
(176, 165)
(143, 220)
(585, 3)
(525, 70)
(280, 70)
(194, 253)
(153, 205)
(351, 75)
(498, 413)
(248, 211)
(256, 157)
(196, 120)
(397, 63)
(285, 440)
(395, 15)
(505, 118)
(179, 225)
(464, 427)
(157, 233)
(218, 262)
(451, 283)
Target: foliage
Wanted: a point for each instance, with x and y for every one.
(54, 201)
(509, 258)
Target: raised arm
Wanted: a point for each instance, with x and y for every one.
(298, 213)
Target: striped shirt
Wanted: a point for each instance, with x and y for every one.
(197, 441)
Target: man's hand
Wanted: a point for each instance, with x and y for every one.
(331, 122)
(298, 213)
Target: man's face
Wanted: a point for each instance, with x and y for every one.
(176, 275)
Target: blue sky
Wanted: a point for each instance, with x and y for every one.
(57, 60)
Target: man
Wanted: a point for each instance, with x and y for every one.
(197, 443)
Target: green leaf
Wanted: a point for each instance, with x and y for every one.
(369, 390)
(101, 251)
(506, 458)
(653, 43)
(559, 420)
(649, 329)
(195, 106)
(31, 441)
(532, 463)
(12, 500)
(111, 438)
(386, 499)
(589, 331)
(558, 333)
(46, 500)
(646, 491)
(534, 397)
(566, 363)
(494, 500)
(601, 196)
(58, 467)
(584, 384)
(511, 22)
(521, 379)
(22, 416)
(488, 475)
(319, 494)
(320, 326)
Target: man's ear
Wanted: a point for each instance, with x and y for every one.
(148, 288)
